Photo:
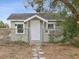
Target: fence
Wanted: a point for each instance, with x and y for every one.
(56, 32)
(4, 32)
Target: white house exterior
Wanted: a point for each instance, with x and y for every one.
(30, 27)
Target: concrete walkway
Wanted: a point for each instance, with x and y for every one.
(37, 52)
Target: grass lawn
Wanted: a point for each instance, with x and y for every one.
(15, 51)
(57, 51)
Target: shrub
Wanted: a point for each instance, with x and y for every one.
(69, 29)
(20, 42)
(2, 25)
(51, 39)
(75, 43)
(77, 29)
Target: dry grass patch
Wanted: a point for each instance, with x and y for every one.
(15, 51)
(56, 51)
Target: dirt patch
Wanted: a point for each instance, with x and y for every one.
(5, 34)
(15, 51)
(56, 51)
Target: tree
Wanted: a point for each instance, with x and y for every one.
(41, 5)
(70, 32)
(73, 5)
(3, 25)
(69, 28)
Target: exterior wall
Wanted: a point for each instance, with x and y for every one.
(26, 36)
(41, 30)
(57, 27)
(46, 37)
(17, 37)
(44, 32)
(56, 32)
(35, 30)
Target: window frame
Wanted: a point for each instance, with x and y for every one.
(51, 26)
(17, 28)
(54, 25)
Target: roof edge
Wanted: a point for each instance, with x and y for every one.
(34, 17)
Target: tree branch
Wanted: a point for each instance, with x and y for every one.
(70, 6)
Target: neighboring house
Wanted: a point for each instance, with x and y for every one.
(30, 27)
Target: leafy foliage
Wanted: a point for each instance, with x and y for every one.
(2, 25)
(75, 3)
(77, 29)
(20, 42)
(75, 43)
(51, 39)
(70, 30)
(49, 5)
(69, 27)
(56, 5)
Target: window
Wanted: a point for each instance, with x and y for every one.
(50, 26)
(19, 28)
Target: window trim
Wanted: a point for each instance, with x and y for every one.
(23, 28)
(54, 25)
(50, 26)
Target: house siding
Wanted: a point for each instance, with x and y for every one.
(44, 32)
(46, 37)
(16, 37)
(26, 36)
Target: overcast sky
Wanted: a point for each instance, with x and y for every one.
(8, 7)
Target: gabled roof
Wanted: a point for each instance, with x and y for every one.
(24, 16)
(36, 16)
(21, 16)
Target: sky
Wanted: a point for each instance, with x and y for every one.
(7, 7)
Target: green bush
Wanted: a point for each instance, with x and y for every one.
(75, 43)
(20, 42)
(77, 29)
(2, 25)
(55, 39)
(63, 41)
(69, 29)
(51, 39)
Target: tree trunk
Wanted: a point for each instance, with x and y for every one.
(71, 7)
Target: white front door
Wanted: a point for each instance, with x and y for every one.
(35, 29)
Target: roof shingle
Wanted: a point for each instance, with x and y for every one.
(24, 16)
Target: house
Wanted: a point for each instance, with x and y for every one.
(30, 27)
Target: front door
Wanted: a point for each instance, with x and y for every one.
(35, 30)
